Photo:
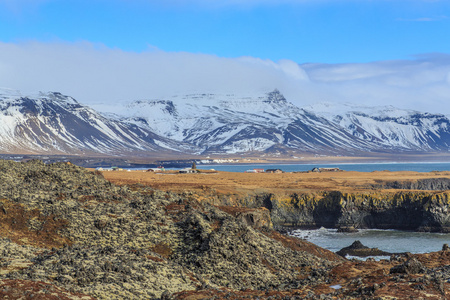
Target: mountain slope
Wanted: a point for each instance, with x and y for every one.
(54, 123)
(214, 124)
(389, 127)
(233, 124)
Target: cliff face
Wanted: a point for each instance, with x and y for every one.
(403, 210)
(428, 184)
(406, 210)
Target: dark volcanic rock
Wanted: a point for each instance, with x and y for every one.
(411, 266)
(406, 210)
(358, 249)
(428, 184)
(64, 225)
(348, 229)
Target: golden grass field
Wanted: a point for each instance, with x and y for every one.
(231, 182)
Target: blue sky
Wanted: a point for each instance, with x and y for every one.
(303, 31)
(374, 52)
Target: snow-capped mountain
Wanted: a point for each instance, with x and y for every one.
(54, 123)
(214, 124)
(389, 127)
(235, 124)
(224, 124)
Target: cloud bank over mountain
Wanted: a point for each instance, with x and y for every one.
(95, 74)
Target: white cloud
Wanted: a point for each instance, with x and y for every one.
(420, 84)
(96, 74)
(93, 73)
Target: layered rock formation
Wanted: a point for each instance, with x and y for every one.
(404, 210)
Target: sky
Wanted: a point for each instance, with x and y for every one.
(373, 52)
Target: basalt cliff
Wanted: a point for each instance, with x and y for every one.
(415, 201)
(405, 210)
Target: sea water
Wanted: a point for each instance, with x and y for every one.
(360, 167)
(393, 241)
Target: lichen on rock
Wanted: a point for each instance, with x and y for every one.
(83, 234)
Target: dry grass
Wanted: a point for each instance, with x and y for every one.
(244, 183)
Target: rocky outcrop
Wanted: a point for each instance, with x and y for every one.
(428, 184)
(411, 266)
(65, 226)
(405, 210)
(257, 217)
(358, 249)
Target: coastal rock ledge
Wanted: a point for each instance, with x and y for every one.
(427, 211)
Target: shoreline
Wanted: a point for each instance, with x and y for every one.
(388, 240)
(93, 161)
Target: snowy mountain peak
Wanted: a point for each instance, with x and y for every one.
(58, 97)
(11, 95)
(275, 96)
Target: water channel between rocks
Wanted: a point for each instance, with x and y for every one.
(393, 241)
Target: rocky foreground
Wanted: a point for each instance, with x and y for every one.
(67, 233)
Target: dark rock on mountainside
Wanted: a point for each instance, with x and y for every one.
(66, 226)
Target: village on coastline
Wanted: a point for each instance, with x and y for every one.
(193, 169)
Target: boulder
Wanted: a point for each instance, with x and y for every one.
(411, 266)
(348, 229)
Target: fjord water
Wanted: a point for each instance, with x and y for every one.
(366, 167)
(393, 241)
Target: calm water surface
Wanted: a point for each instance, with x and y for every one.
(394, 241)
(417, 167)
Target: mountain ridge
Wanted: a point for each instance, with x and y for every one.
(54, 123)
(209, 124)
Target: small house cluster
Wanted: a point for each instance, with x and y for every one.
(255, 171)
(109, 169)
(156, 170)
(325, 170)
(266, 171)
(274, 171)
(187, 171)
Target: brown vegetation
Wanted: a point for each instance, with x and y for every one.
(30, 227)
(26, 289)
(243, 183)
